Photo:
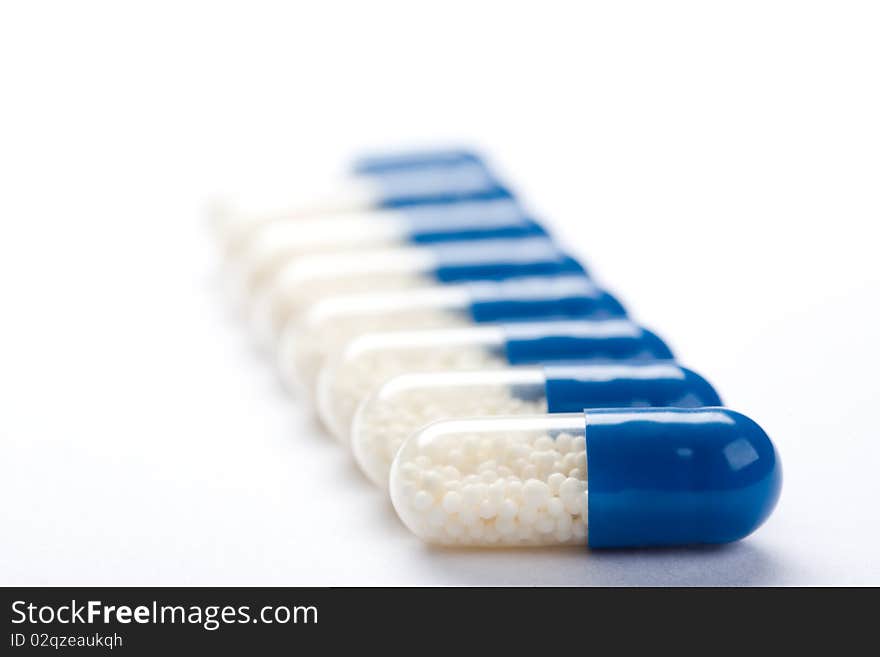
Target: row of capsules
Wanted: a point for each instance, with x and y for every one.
(478, 373)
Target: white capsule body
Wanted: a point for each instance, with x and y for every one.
(404, 404)
(270, 246)
(505, 481)
(281, 297)
(300, 282)
(234, 225)
(371, 359)
(326, 326)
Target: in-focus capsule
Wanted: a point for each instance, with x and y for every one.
(418, 181)
(326, 326)
(370, 360)
(404, 404)
(303, 281)
(606, 478)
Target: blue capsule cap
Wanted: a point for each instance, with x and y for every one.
(490, 192)
(499, 259)
(372, 164)
(429, 218)
(582, 340)
(551, 263)
(571, 265)
(571, 388)
(451, 184)
(479, 231)
(467, 220)
(672, 476)
(542, 297)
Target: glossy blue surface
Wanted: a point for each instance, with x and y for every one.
(479, 231)
(373, 164)
(545, 300)
(430, 218)
(572, 388)
(491, 219)
(498, 259)
(452, 184)
(671, 476)
(442, 197)
(572, 265)
(581, 340)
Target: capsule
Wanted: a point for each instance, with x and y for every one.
(369, 360)
(303, 281)
(398, 183)
(326, 326)
(604, 478)
(379, 163)
(406, 403)
(278, 243)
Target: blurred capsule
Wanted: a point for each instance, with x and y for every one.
(282, 243)
(371, 359)
(398, 182)
(303, 281)
(326, 326)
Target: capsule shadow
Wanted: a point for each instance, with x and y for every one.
(735, 564)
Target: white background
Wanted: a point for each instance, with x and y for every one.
(716, 164)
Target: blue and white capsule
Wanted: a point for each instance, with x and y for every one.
(326, 326)
(405, 404)
(303, 281)
(375, 184)
(278, 243)
(604, 478)
(369, 360)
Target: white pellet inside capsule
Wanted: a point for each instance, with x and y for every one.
(511, 481)
(406, 403)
